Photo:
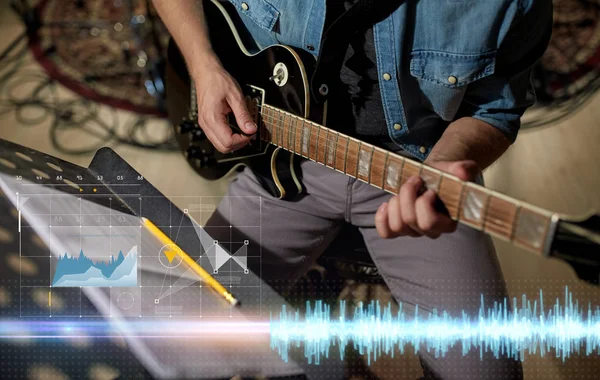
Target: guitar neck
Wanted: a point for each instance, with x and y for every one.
(509, 219)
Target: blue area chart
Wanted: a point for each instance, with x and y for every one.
(83, 271)
(505, 329)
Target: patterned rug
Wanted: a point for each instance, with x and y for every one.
(105, 50)
(571, 62)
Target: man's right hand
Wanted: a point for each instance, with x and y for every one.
(218, 94)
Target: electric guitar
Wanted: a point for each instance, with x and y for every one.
(275, 82)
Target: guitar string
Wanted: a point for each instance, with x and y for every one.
(280, 118)
(486, 219)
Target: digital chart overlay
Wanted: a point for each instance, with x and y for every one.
(91, 243)
(80, 271)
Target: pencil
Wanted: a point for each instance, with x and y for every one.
(207, 278)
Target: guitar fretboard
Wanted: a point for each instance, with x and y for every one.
(520, 223)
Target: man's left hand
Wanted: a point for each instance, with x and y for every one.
(412, 212)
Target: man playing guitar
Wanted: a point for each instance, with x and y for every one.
(441, 81)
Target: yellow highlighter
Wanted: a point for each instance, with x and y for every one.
(207, 278)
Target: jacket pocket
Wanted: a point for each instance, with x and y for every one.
(260, 12)
(444, 77)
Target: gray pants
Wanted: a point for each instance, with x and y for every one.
(449, 273)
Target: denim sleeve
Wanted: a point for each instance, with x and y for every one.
(502, 98)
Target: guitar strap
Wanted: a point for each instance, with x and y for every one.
(336, 39)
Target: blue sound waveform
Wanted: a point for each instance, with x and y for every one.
(502, 329)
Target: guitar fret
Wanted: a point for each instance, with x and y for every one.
(358, 159)
(371, 163)
(291, 129)
(352, 158)
(291, 135)
(331, 144)
(377, 167)
(473, 206)
(500, 217)
(431, 178)
(365, 158)
(393, 175)
(438, 187)
(460, 200)
(295, 135)
(486, 209)
(326, 146)
(327, 143)
(314, 136)
(301, 141)
(308, 139)
(514, 224)
(449, 190)
(317, 145)
(309, 133)
(304, 140)
(262, 126)
(267, 121)
(401, 174)
(410, 169)
(314, 146)
(298, 142)
(339, 154)
(270, 124)
(385, 164)
(335, 150)
(323, 151)
(276, 130)
(277, 126)
(281, 121)
(264, 120)
(283, 130)
(267, 131)
(346, 154)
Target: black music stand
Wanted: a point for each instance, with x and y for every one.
(101, 178)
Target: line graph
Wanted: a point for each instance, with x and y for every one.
(83, 271)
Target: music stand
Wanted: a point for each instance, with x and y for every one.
(106, 175)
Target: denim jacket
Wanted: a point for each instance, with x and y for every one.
(438, 60)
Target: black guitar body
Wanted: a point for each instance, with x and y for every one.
(277, 169)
